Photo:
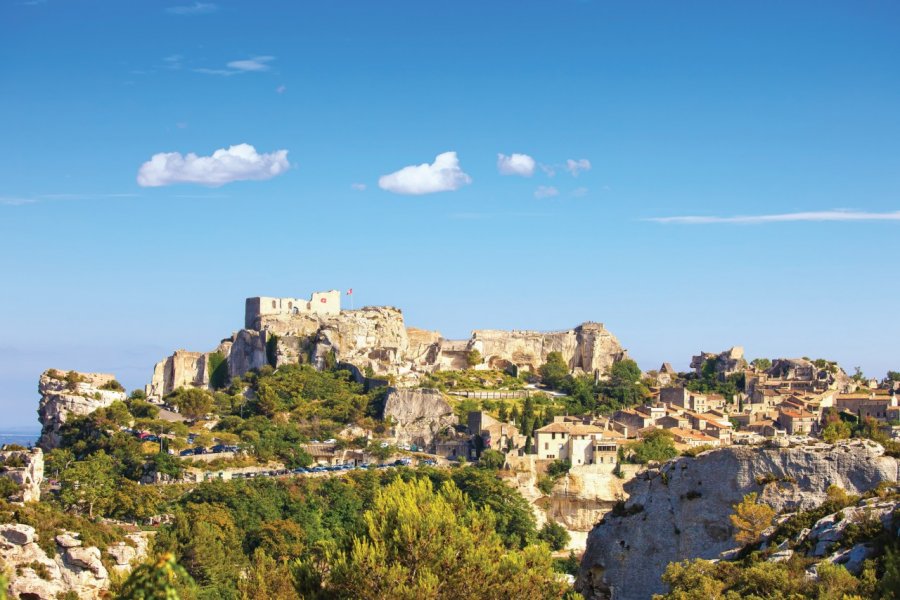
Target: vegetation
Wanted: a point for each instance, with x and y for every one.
(164, 579)
(756, 579)
(334, 535)
(113, 385)
(750, 519)
(554, 534)
(218, 370)
(658, 445)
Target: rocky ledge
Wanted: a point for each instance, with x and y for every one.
(681, 511)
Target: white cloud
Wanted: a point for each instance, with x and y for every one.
(816, 216)
(197, 8)
(443, 175)
(236, 67)
(546, 191)
(580, 192)
(515, 164)
(577, 166)
(16, 201)
(359, 187)
(550, 170)
(237, 163)
(257, 63)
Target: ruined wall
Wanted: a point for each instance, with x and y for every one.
(321, 303)
(29, 476)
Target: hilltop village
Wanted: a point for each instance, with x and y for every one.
(564, 421)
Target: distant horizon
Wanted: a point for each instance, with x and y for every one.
(681, 363)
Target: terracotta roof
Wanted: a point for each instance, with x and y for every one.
(570, 428)
(692, 434)
(797, 414)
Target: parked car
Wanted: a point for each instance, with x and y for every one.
(200, 450)
(187, 452)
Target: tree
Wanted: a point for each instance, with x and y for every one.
(422, 543)
(473, 358)
(658, 445)
(164, 579)
(750, 519)
(267, 579)
(555, 535)
(193, 403)
(88, 485)
(761, 364)
(836, 430)
(554, 371)
(491, 459)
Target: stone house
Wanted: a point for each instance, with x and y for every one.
(796, 421)
(883, 407)
(683, 397)
(579, 443)
(693, 438)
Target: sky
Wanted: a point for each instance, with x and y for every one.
(695, 175)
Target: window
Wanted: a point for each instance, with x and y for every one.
(274, 305)
(290, 305)
(546, 446)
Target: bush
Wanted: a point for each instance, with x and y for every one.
(113, 385)
(555, 535)
(545, 484)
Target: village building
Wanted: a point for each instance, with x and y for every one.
(881, 406)
(796, 421)
(693, 438)
(494, 434)
(579, 443)
(683, 397)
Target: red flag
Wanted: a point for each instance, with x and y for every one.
(350, 292)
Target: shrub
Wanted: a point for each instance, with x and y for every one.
(555, 535)
(113, 385)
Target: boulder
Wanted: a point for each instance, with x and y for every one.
(17, 534)
(417, 415)
(68, 540)
(86, 558)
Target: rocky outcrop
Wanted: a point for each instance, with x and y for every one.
(74, 568)
(417, 415)
(64, 395)
(588, 348)
(26, 469)
(725, 363)
(682, 510)
(375, 340)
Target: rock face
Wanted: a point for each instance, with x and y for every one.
(375, 339)
(74, 568)
(29, 476)
(417, 415)
(681, 511)
(80, 395)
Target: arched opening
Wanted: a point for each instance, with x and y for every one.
(274, 304)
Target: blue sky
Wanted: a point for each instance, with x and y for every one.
(786, 113)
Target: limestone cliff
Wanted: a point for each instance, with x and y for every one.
(73, 568)
(376, 339)
(80, 394)
(28, 476)
(681, 510)
(417, 415)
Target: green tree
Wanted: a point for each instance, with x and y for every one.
(164, 579)
(761, 364)
(88, 485)
(658, 445)
(836, 430)
(420, 543)
(491, 459)
(267, 579)
(193, 403)
(750, 519)
(554, 371)
(473, 358)
(554, 534)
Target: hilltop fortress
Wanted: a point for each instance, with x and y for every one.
(374, 340)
